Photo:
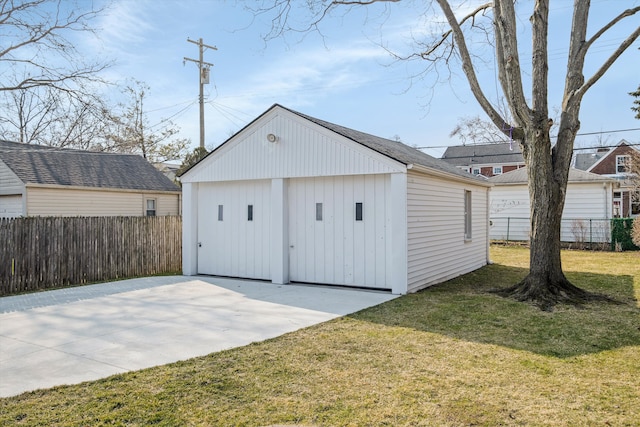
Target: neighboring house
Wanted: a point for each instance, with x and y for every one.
(291, 198)
(612, 163)
(170, 170)
(45, 181)
(587, 210)
(487, 159)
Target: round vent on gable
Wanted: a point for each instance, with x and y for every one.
(272, 138)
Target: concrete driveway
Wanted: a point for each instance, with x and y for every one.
(68, 336)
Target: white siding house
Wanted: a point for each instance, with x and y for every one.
(587, 210)
(291, 198)
(45, 181)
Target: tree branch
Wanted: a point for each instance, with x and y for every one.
(445, 36)
(508, 60)
(467, 66)
(615, 55)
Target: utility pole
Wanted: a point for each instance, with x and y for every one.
(203, 68)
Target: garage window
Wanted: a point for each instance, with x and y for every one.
(358, 211)
(220, 212)
(467, 215)
(318, 211)
(250, 213)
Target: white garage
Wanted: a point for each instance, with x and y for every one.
(291, 198)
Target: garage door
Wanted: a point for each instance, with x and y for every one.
(10, 206)
(234, 229)
(337, 230)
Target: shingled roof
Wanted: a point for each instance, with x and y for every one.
(481, 154)
(393, 149)
(519, 176)
(34, 164)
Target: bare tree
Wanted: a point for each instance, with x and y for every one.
(548, 164)
(35, 44)
(45, 116)
(48, 90)
(130, 132)
(476, 130)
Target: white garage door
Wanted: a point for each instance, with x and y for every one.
(337, 230)
(10, 206)
(234, 225)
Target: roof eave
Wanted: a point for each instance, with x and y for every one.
(447, 175)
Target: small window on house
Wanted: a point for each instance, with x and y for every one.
(476, 171)
(358, 211)
(497, 170)
(622, 163)
(151, 207)
(220, 212)
(318, 211)
(250, 213)
(467, 215)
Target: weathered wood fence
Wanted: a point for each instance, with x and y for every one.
(46, 252)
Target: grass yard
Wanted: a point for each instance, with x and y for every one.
(452, 355)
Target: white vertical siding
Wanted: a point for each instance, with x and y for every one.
(190, 202)
(9, 181)
(338, 249)
(60, 201)
(235, 246)
(437, 249)
(303, 149)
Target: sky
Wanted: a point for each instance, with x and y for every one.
(343, 75)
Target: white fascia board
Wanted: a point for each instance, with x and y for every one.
(450, 176)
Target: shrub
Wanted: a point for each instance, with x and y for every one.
(621, 234)
(635, 232)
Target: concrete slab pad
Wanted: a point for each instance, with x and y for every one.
(78, 334)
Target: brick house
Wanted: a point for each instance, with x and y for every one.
(613, 163)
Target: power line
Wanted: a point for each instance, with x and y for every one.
(476, 156)
(499, 141)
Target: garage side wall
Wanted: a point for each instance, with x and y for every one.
(437, 247)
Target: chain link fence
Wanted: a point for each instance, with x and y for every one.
(592, 233)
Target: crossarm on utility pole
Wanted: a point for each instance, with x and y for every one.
(202, 66)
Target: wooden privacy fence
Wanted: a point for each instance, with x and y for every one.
(45, 252)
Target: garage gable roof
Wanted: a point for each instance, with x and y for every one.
(34, 164)
(392, 150)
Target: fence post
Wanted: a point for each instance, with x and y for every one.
(508, 223)
(590, 235)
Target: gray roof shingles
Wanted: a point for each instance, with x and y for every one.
(519, 176)
(466, 155)
(46, 165)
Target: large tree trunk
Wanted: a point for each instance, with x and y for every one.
(546, 284)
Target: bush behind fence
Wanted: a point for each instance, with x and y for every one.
(46, 252)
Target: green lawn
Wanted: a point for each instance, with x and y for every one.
(452, 355)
